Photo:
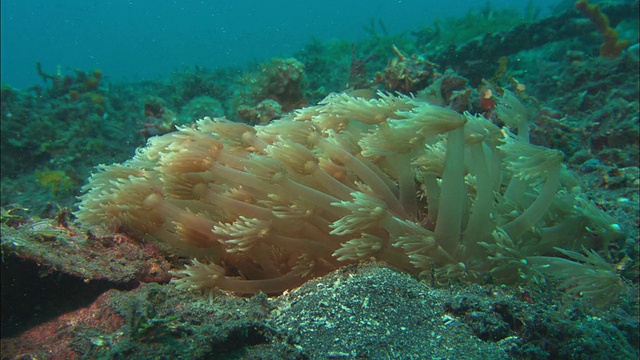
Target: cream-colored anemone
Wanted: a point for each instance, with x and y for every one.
(428, 120)
(243, 233)
(532, 164)
(338, 184)
(300, 132)
(361, 248)
(513, 113)
(479, 129)
(432, 162)
(231, 133)
(200, 276)
(116, 195)
(372, 111)
(410, 131)
(588, 275)
(364, 211)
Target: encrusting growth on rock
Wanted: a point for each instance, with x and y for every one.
(393, 178)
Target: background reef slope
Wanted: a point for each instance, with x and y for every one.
(74, 290)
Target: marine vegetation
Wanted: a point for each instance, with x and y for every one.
(275, 86)
(612, 46)
(403, 180)
(56, 181)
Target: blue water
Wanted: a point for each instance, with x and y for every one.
(145, 39)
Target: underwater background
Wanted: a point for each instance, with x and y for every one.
(143, 40)
(88, 83)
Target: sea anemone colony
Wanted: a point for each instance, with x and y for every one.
(397, 179)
